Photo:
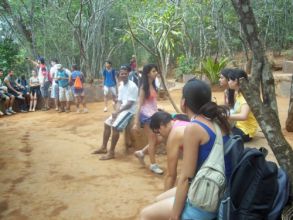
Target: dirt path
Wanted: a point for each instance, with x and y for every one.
(47, 171)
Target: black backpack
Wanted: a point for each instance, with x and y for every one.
(253, 191)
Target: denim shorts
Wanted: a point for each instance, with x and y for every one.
(194, 213)
(143, 119)
(45, 89)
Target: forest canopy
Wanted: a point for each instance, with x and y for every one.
(177, 34)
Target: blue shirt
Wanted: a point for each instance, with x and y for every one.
(75, 74)
(64, 81)
(109, 77)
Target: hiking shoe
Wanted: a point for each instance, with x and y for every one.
(105, 109)
(156, 169)
(85, 110)
(140, 156)
(11, 111)
(7, 113)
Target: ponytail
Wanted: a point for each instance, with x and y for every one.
(216, 113)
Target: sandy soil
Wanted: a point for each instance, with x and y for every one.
(47, 170)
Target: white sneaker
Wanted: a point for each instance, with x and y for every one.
(78, 111)
(105, 109)
(156, 169)
(140, 156)
(85, 110)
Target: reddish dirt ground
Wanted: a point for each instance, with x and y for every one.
(47, 170)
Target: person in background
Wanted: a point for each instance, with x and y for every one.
(55, 87)
(245, 122)
(35, 92)
(133, 63)
(64, 89)
(147, 106)
(110, 84)
(15, 89)
(117, 122)
(7, 97)
(44, 78)
(78, 89)
(228, 93)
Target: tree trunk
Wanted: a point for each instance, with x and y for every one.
(289, 121)
(265, 109)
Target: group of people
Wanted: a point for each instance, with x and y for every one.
(192, 133)
(57, 83)
(64, 83)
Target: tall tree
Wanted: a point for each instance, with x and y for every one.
(265, 108)
(289, 121)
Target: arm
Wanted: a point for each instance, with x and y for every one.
(191, 143)
(242, 115)
(125, 107)
(10, 87)
(140, 103)
(172, 147)
(33, 62)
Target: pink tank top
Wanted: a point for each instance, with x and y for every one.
(149, 106)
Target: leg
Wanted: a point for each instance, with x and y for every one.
(56, 103)
(12, 98)
(31, 102)
(169, 193)
(106, 91)
(159, 210)
(106, 103)
(35, 98)
(152, 140)
(106, 136)
(114, 140)
(77, 102)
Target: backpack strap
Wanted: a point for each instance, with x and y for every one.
(216, 156)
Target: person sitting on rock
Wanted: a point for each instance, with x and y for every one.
(117, 122)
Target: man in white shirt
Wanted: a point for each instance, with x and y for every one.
(126, 106)
(55, 87)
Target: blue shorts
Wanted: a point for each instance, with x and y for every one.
(194, 213)
(143, 119)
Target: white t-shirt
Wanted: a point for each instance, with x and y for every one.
(128, 92)
(34, 81)
(53, 72)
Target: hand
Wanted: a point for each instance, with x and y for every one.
(114, 115)
(174, 217)
(19, 93)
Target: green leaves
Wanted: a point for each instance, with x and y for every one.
(212, 68)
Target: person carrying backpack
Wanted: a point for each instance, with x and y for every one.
(77, 80)
(208, 127)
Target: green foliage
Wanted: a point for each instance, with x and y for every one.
(185, 66)
(212, 68)
(11, 57)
